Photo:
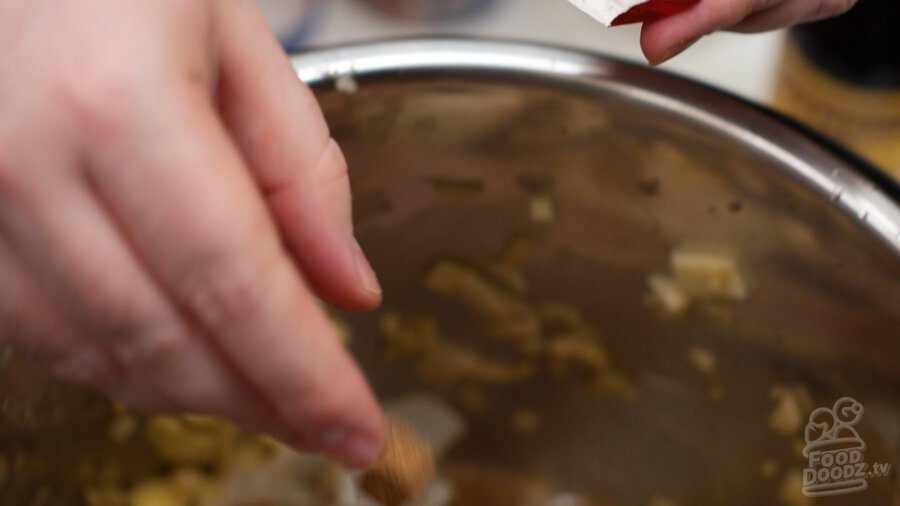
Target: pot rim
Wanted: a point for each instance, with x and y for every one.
(857, 188)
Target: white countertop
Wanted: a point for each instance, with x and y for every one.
(742, 64)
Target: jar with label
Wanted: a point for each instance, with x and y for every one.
(842, 77)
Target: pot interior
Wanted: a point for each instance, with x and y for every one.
(527, 232)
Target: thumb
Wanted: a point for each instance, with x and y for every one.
(664, 38)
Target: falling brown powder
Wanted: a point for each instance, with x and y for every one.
(405, 469)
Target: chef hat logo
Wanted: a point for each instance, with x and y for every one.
(833, 429)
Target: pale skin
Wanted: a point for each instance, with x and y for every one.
(664, 39)
(172, 208)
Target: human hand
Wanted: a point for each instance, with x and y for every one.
(664, 38)
(169, 197)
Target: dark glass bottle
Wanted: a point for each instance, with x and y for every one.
(842, 77)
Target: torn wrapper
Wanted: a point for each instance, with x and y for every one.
(622, 12)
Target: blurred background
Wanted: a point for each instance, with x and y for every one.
(742, 64)
(839, 76)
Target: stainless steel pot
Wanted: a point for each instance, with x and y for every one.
(460, 150)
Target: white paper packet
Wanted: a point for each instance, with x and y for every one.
(605, 11)
(622, 12)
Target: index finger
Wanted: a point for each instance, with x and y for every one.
(187, 203)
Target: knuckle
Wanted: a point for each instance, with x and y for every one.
(230, 296)
(101, 90)
(331, 170)
(126, 324)
(138, 351)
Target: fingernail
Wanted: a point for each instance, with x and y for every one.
(353, 449)
(675, 50)
(365, 272)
